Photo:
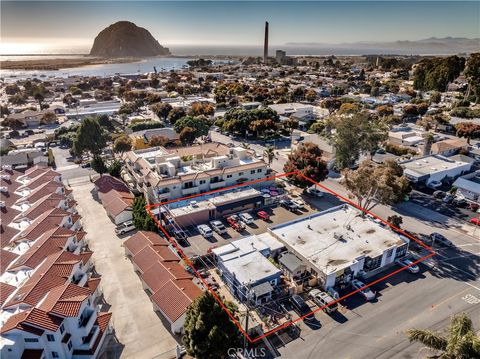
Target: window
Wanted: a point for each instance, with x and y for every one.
(50, 338)
(259, 170)
(390, 252)
(252, 172)
(62, 328)
(31, 340)
(240, 173)
(229, 176)
(202, 181)
(69, 345)
(55, 355)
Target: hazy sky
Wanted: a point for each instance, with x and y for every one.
(240, 22)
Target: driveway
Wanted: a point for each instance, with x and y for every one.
(136, 325)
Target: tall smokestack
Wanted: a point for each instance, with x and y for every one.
(265, 44)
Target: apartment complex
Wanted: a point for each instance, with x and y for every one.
(163, 174)
(49, 294)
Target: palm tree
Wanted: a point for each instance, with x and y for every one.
(460, 342)
(428, 137)
(269, 152)
(245, 145)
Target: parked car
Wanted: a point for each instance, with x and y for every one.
(366, 292)
(459, 202)
(235, 223)
(448, 199)
(86, 165)
(301, 307)
(263, 215)
(288, 204)
(180, 235)
(323, 299)
(440, 239)
(299, 203)
(434, 184)
(205, 230)
(124, 227)
(314, 191)
(246, 218)
(475, 221)
(218, 227)
(439, 194)
(473, 206)
(407, 263)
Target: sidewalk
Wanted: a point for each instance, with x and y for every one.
(136, 325)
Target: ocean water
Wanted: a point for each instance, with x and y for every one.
(146, 65)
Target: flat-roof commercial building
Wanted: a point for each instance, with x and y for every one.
(163, 174)
(436, 168)
(246, 270)
(339, 243)
(202, 209)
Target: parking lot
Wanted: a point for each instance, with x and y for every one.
(199, 245)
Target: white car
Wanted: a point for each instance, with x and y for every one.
(434, 184)
(124, 227)
(366, 292)
(218, 227)
(314, 191)
(246, 218)
(205, 230)
(299, 203)
(408, 264)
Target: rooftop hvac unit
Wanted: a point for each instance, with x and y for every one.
(7, 167)
(2, 204)
(3, 189)
(6, 177)
(194, 203)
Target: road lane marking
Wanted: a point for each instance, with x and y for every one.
(471, 299)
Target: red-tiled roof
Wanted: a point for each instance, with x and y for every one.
(6, 234)
(174, 298)
(47, 221)
(42, 190)
(106, 183)
(35, 318)
(93, 283)
(43, 205)
(160, 273)
(5, 291)
(148, 256)
(86, 256)
(116, 202)
(7, 214)
(141, 239)
(65, 300)
(6, 258)
(52, 273)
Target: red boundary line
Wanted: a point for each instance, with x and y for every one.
(171, 240)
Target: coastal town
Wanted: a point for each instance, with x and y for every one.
(251, 207)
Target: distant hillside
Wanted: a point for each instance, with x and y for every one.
(443, 46)
(125, 39)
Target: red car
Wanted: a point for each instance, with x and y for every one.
(473, 207)
(263, 215)
(475, 221)
(236, 225)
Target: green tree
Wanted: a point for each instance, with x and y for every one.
(371, 184)
(122, 144)
(141, 219)
(48, 118)
(176, 114)
(115, 169)
(158, 141)
(360, 133)
(469, 130)
(307, 160)
(428, 139)
(310, 95)
(208, 330)
(89, 137)
(436, 73)
(395, 220)
(269, 153)
(187, 136)
(460, 342)
(472, 72)
(98, 165)
(161, 109)
(199, 124)
(436, 97)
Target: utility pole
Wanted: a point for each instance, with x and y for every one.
(248, 297)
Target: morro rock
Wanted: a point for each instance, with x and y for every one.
(125, 39)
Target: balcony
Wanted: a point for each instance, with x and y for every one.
(87, 319)
(219, 184)
(191, 190)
